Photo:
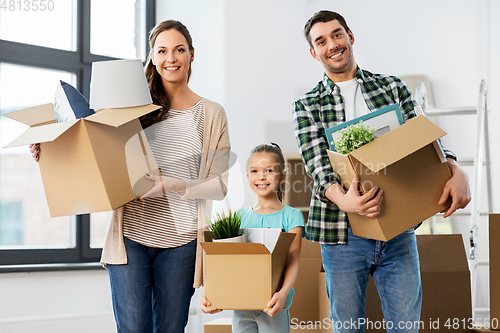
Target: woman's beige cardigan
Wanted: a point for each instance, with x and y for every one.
(211, 185)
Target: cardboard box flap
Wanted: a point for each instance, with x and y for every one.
(34, 116)
(342, 166)
(398, 143)
(41, 134)
(284, 242)
(234, 248)
(118, 117)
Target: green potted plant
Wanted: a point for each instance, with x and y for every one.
(353, 136)
(226, 227)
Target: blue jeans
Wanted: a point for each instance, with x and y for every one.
(152, 292)
(249, 321)
(395, 268)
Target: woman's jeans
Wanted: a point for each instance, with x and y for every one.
(152, 292)
(396, 270)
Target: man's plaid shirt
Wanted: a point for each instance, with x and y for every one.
(321, 108)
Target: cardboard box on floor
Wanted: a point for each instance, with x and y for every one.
(305, 305)
(404, 163)
(494, 231)
(90, 164)
(446, 293)
(219, 325)
(244, 276)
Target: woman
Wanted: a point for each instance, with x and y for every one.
(152, 250)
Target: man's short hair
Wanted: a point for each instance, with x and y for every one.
(323, 16)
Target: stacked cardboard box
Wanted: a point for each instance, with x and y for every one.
(219, 325)
(445, 285)
(305, 306)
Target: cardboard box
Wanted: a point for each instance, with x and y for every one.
(494, 226)
(219, 325)
(91, 164)
(244, 276)
(305, 305)
(404, 163)
(446, 292)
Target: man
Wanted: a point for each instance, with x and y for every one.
(346, 92)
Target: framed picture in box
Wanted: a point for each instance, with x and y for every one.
(383, 120)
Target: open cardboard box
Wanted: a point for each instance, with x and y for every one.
(96, 163)
(244, 276)
(90, 164)
(406, 165)
(446, 292)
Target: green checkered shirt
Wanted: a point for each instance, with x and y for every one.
(321, 108)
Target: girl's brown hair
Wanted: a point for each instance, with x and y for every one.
(154, 78)
(273, 148)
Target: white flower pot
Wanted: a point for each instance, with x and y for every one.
(237, 239)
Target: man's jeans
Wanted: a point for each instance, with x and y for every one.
(152, 292)
(395, 268)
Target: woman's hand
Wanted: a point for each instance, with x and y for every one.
(35, 151)
(205, 304)
(162, 185)
(276, 304)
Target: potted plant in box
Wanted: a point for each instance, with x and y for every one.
(226, 227)
(354, 136)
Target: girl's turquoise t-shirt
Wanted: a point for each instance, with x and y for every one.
(286, 219)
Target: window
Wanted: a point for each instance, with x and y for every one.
(38, 48)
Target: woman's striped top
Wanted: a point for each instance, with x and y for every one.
(169, 221)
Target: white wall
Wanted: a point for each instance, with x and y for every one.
(252, 58)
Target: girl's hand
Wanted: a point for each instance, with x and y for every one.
(276, 304)
(35, 151)
(205, 304)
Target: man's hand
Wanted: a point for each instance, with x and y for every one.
(353, 202)
(457, 188)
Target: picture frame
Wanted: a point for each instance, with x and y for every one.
(383, 120)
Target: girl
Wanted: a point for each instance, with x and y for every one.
(152, 250)
(266, 174)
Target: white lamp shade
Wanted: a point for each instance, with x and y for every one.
(118, 84)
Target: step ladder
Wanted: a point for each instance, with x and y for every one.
(481, 159)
